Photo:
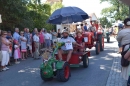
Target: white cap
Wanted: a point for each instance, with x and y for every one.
(65, 31)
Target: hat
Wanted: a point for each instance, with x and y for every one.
(65, 31)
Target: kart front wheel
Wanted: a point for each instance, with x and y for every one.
(64, 73)
(43, 78)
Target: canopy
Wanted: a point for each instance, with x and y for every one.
(68, 15)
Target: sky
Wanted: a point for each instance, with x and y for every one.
(89, 6)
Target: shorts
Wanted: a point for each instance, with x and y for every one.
(23, 50)
(66, 51)
(58, 39)
(30, 46)
(47, 43)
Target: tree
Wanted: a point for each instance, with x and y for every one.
(56, 6)
(117, 11)
(104, 21)
(24, 13)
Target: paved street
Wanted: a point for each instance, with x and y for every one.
(98, 73)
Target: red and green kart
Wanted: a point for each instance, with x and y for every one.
(62, 68)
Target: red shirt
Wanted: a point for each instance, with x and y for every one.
(79, 40)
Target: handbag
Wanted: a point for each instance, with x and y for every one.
(128, 82)
(1, 56)
(124, 62)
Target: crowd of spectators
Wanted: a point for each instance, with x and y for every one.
(20, 45)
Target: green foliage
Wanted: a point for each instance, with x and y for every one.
(56, 6)
(26, 13)
(117, 11)
(104, 21)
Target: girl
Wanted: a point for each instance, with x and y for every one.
(80, 40)
(16, 52)
(23, 43)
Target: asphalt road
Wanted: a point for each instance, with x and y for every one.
(27, 72)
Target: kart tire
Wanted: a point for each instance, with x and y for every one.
(97, 47)
(64, 73)
(43, 78)
(85, 61)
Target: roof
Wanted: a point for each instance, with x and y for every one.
(93, 17)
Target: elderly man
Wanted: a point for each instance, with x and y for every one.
(92, 29)
(16, 34)
(67, 48)
(29, 41)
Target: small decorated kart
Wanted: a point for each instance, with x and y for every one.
(97, 42)
(61, 69)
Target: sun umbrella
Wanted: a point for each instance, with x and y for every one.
(67, 15)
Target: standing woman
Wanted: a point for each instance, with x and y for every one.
(36, 45)
(5, 51)
(23, 43)
(0, 50)
(33, 33)
(123, 37)
(41, 37)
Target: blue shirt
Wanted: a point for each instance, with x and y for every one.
(9, 37)
(85, 28)
(16, 36)
(28, 38)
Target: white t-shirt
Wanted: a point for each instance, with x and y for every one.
(36, 38)
(47, 35)
(66, 40)
(50, 36)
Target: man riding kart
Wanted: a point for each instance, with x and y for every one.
(68, 47)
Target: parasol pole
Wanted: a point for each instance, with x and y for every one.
(68, 25)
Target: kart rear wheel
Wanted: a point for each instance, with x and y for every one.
(85, 61)
(43, 78)
(64, 73)
(108, 39)
(97, 46)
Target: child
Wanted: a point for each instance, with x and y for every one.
(80, 40)
(23, 43)
(16, 52)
